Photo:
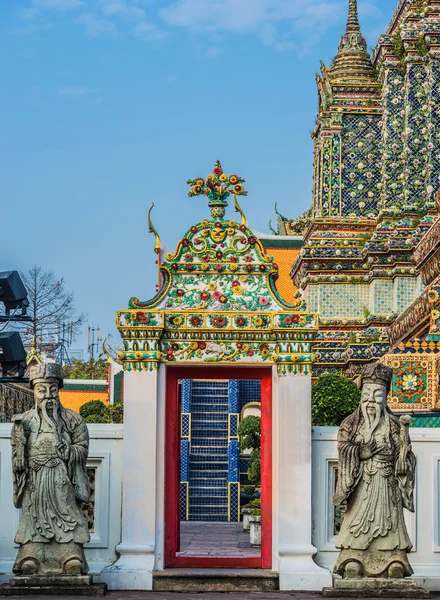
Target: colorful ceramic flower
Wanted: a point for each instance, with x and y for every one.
(196, 321)
(237, 290)
(200, 182)
(180, 292)
(205, 296)
(217, 170)
(185, 242)
(223, 177)
(201, 345)
(219, 321)
(223, 299)
(217, 295)
(238, 189)
(233, 179)
(212, 286)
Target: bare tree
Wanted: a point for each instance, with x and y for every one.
(51, 306)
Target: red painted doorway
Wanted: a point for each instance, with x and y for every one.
(172, 466)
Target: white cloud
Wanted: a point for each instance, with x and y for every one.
(213, 52)
(28, 13)
(278, 23)
(58, 4)
(75, 92)
(95, 26)
(123, 10)
(149, 32)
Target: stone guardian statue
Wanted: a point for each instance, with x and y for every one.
(49, 452)
(376, 475)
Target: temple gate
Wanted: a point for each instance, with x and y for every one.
(217, 316)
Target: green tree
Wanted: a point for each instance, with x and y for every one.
(96, 411)
(53, 311)
(334, 397)
(91, 369)
(249, 431)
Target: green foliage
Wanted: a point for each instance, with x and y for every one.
(334, 397)
(254, 471)
(255, 503)
(92, 369)
(97, 412)
(422, 46)
(98, 418)
(248, 490)
(117, 412)
(94, 407)
(400, 51)
(249, 432)
(256, 512)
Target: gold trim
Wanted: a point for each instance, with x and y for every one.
(237, 483)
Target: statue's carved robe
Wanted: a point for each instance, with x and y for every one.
(49, 488)
(372, 493)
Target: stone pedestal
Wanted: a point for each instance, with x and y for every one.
(53, 585)
(374, 587)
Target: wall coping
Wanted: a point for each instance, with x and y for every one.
(418, 434)
(96, 431)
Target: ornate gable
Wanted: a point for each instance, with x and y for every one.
(218, 301)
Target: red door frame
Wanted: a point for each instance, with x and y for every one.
(172, 466)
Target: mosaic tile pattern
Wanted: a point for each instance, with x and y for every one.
(343, 301)
(234, 502)
(233, 460)
(382, 296)
(186, 395)
(416, 134)
(361, 158)
(433, 174)
(406, 291)
(393, 99)
(233, 392)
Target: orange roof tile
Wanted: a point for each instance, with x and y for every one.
(74, 399)
(284, 258)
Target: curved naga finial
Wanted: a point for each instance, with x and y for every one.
(239, 210)
(152, 229)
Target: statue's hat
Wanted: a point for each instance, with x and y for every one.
(377, 373)
(46, 371)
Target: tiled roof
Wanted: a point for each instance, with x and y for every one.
(284, 258)
(74, 399)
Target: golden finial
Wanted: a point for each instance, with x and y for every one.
(152, 229)
(239, 210)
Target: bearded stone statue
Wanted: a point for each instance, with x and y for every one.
(376, 475)
(49, 452)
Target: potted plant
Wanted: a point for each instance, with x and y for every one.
(248, 510)
(249, 431)
(255, 528)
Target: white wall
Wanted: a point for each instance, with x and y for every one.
(106, 456)
(423, 525)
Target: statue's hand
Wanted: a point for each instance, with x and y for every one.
(63, 450)
(366, 451)
(19, 465)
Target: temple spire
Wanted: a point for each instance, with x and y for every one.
(353, 19)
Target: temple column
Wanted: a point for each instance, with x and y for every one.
(133, 569)
(293, 478)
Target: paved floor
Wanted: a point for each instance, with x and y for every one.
(224, 540)
(204, 596)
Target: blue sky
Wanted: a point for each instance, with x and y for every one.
(109, 105)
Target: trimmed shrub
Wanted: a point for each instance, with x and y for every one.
(334, 397)
(94, 407)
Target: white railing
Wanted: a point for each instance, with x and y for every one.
(105, 458)
(105, 463)
(423, 525)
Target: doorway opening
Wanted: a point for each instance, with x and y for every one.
(218, 460)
